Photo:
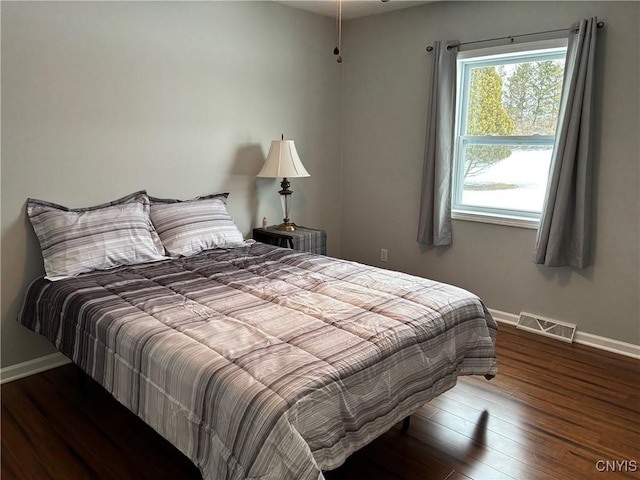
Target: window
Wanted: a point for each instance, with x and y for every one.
(507, 110)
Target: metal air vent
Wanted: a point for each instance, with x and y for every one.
(546, 326)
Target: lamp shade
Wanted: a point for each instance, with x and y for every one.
(283, 161)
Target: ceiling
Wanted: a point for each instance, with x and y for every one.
(352, 8)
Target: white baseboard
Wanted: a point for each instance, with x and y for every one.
(41, 364)
(30, 367)
(504, 317)
(583, 338)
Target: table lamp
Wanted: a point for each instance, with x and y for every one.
(283, 161)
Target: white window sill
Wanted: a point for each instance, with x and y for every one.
(509, 221)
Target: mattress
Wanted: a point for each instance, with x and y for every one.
(264, 362)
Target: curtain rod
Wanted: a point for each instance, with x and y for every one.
(511, 37)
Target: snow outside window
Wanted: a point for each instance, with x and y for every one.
(507, 112)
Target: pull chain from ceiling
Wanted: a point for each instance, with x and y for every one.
(336, 51)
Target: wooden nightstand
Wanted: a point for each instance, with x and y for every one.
(303, 239)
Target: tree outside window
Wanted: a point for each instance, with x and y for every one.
(509, 105)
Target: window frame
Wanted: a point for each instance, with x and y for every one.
(513, 53)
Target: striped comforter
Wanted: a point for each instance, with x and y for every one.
(261, 362)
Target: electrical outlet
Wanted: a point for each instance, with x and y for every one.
(383, 254)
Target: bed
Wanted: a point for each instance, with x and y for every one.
(260, 362)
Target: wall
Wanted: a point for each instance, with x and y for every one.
(385, 90)
(100, 99)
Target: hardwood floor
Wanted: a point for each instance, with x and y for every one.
(554, 411)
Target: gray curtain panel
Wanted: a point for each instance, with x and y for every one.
(563, 237)
(434, 227)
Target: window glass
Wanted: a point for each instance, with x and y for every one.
(508, 107)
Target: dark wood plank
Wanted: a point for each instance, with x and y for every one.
(15, 442)
(552, 412)
(80, 433)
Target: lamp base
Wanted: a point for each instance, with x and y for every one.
(286, 227)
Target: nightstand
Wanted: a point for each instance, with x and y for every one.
(302, 238)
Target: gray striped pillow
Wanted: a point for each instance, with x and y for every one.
(187, 227)
(79, 240)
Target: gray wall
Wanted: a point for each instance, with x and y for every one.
(100, 99)
(386, 72)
